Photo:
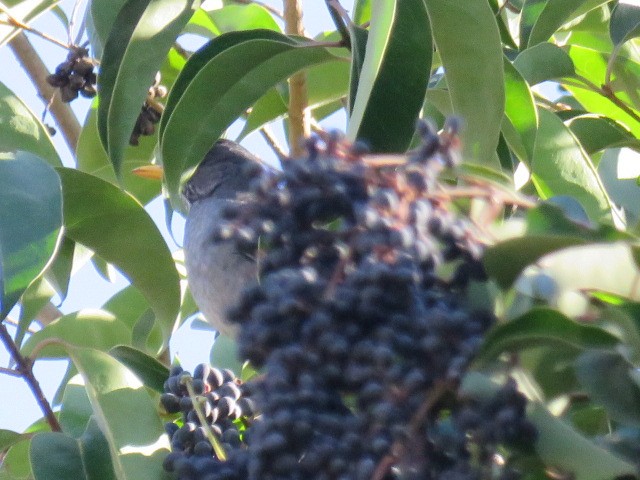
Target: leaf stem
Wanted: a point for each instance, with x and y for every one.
(25, 370)
(14, 22)
(298, 102)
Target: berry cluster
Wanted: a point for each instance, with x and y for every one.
(150, 113)
(75, 76)
(360, 321)
(224, 403)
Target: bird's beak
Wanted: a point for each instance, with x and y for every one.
(153, 172)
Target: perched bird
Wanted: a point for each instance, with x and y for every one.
(216, 271)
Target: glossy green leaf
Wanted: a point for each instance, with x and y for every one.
(92, 158)
(100, 19)
(604, 375)
(468, 41)
(8, 438)
(267, 109)
(150, 371)
(20, 129)
(99, 215)
(558, 444)
(31, 219)
(24, 11)
(625, 22)
(34, 298)
(140, 38)
(128, 305)
(623, 186)
(85, 458)
(358, 37)
(16, 462)
(520, 109)
(543, 326)
(393, 78)
(362, 12)
(89, 328)
(505, 34)
(201, 24)
(137, 443)
(541, 18)
(542, 62)
(561, 167)
(211, 101)
(592, 65)
(549, 229)
(232, 18)
(76, 410)
(595, 133)
(199, 60)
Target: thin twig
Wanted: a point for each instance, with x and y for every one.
(298, 101)
(37, 71)
(25, 368)
(10, 371)
(338, 15)
(14, 22)
(271, 139)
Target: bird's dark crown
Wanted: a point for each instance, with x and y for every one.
(221, 172)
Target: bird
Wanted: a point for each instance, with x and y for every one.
(216, 271)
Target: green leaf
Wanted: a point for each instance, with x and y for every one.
(394, 77)
(543, 326)
(199, 60)
(520, 109)
(231, 18)
(358, 37)
(58, 273)
(99, 215)
(595, 133)
(34, 298)
(91, 158)
(150, 371)
(16, 462)
(605, 377)
(624, 188)
(20, 129)
(558, 444)
(362, 12)
(625, 22)
(541, 18)
(224, 354)
(31, 219)
(100, 19)
(76, 410)
(24, 11)
(542, 62)
(140, 38)
(8, 438)
(561, 167)
(625, 74)
(88, 328)
(58, 456)
(210, 102)
(137, 443)
(468, 41)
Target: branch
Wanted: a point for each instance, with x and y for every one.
(270, 138)
(298, 103)
(25, 367)
(14, 22)
(37, 71)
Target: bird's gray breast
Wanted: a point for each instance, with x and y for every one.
(216, 272)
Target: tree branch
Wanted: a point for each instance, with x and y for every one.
(37, 72)
(24, 367)
(298, 102)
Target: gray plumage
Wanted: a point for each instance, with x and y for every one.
(217, 272)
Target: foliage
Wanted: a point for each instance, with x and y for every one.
(547, 91)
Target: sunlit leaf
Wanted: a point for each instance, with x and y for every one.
(100, 215)
(393, 78)
(20, 129)
(468, 41)
(544, 61)
(520, 109)
(31, 219)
